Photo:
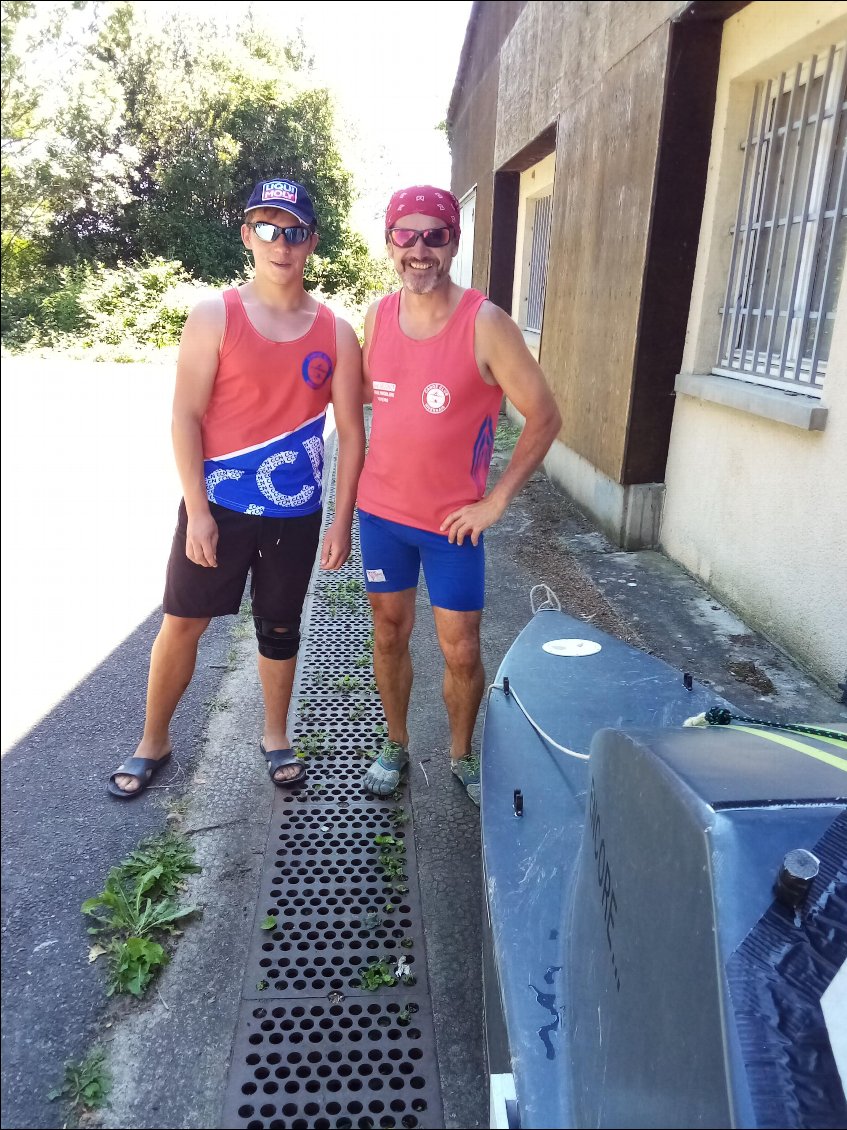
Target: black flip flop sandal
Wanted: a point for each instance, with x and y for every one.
(279, 759)
(142, 768)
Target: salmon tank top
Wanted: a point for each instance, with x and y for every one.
(434, 417)
(262, 432)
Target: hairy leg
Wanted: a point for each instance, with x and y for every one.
(394, 618)
(464, 677)
(172, 661)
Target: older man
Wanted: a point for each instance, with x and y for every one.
(438, 359)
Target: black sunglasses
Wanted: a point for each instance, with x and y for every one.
(269, 232)
(408, 237)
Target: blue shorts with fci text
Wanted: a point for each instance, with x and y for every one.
(392, 556)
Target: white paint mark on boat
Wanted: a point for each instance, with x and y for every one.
(572, 648)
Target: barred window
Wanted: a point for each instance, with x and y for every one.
(542, 213)
(789, 234)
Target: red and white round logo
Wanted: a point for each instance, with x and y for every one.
(435, 398)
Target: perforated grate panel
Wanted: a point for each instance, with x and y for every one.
(314, 1047)
(354, 1064)
(337, 907)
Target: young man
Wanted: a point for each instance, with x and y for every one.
(438, 360)
(258, 366)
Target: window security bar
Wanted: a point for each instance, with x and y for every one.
(537, 289)
(788, 239)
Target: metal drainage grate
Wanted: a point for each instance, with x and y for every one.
(335, 907)
(314, 1048)
(354, 1064)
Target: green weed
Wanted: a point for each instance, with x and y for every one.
(347, 684)
(137, 905)
(311, 745)
(175, 856)
(392, 859)
(342, 595)
(376, 973)
(86, 1085)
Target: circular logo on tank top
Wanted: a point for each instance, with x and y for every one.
(435, 398)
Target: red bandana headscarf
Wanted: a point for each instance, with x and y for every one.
(425, 200)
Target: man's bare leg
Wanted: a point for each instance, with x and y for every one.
(277, 677)
(464, 683)
(464, 676)
(394, 619)
(172, 661)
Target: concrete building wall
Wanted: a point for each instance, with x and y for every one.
(755, 507)
(585, 83)
(473, 121)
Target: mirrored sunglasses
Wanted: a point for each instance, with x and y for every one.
(269, 232)
(432, 237)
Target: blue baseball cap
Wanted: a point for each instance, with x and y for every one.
(285, 194)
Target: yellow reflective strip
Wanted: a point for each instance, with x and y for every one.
(839, 743)
(800, 747)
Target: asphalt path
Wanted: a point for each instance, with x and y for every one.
(89, 501)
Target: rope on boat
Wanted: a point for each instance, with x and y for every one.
(509, 692)
(550, 599)
(719, 716)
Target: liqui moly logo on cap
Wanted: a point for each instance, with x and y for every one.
(280, 190)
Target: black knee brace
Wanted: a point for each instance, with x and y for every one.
(277, 641)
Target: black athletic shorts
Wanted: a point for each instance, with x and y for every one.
(278, 553)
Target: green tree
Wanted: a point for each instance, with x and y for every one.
(125, 143)
(204, 124)
(57, 133)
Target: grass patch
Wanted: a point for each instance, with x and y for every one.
(137, 908)
(507, 435)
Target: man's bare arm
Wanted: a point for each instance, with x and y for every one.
(347, 406)
(502, 352)
(196, 368)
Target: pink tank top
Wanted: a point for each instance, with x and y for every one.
(263, 428)
(434, 417)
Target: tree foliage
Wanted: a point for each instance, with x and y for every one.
(146, 141)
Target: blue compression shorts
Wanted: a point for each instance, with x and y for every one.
(392, 556)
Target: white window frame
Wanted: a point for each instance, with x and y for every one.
(770, 334)
(532, 258)
(462, 270)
